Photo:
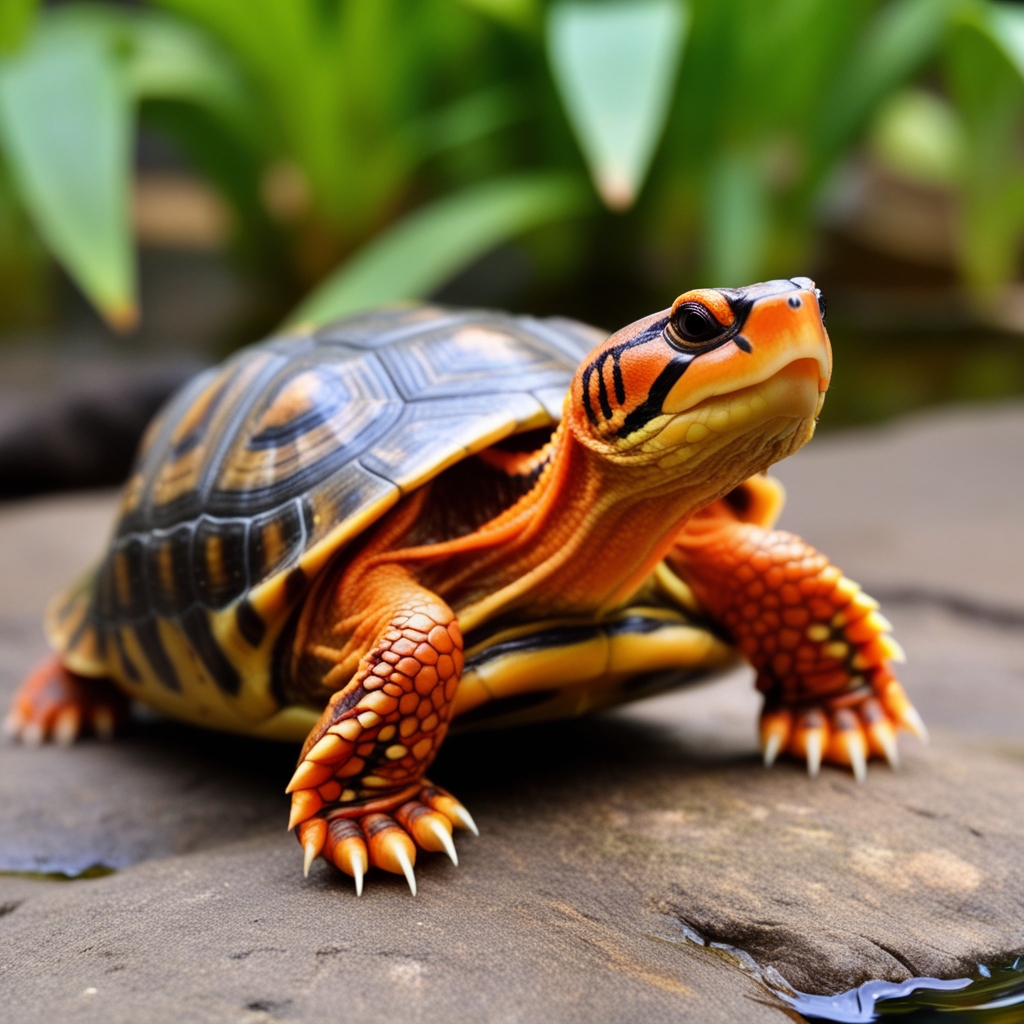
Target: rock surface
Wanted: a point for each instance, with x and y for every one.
(602, 840)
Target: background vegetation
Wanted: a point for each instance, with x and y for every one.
(367, 152)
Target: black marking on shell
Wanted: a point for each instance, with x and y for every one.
(561, 636)
(152, 645)
(252, 628)
(196, 625)
(219, 581)
(294, 585)
(129, 666)
(368, 456)
(289, 522)
(131, 558)
(177, 547)
(505, 706)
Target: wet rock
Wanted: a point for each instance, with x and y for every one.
(604, 842)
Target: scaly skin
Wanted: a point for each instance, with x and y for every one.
(663, 421)
(820, 647)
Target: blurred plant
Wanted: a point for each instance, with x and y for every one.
(312, 117)
(379, 148)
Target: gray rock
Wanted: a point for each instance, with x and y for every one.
(604, 842)
(928, 505)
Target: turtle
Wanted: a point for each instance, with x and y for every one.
(356, 535)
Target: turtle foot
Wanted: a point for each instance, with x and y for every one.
(387, 840)
(845, 731)
(53, 703)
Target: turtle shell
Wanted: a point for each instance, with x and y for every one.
(261, 470)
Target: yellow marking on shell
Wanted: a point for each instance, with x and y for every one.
(122, 580)
(671, 647)
(273, 543)
(298, 396)
(165, 567)
(846, 588)
(837, 649)
(178, 476)
(216, 569)
(193, 416)
(818, 632)
(133, 492)
(393, 753)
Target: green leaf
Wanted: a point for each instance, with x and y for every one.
(432, 244)
(523, 15)
(15, 19)
(1004, 26)
(918, 135)
(901, 38)
(467, 119)
(738, 219)
(65, 126)
(615, 65)
(983, 74)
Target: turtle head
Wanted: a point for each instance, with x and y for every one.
(729, 379)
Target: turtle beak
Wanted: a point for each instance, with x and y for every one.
(783, 338)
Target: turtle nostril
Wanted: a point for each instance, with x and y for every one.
(794, 302)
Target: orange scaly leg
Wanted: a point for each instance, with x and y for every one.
(53, 703)
(358, 795)
(821, 648)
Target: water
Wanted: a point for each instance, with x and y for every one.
(993, 995)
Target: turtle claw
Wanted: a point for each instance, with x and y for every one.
(56, 704)
(812, 749)
(375, 839)
(67, 725)
(848, 735)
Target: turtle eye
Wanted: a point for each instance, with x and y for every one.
(821, 303)
(693, 326)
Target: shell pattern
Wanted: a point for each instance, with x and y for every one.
(260, 470)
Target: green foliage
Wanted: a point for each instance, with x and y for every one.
(377, 148)
(431, 245)
(15, 19)
(65, 120)
(615, 64)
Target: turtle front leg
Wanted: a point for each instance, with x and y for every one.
(821, 648)
(359, 797)
(54, 703)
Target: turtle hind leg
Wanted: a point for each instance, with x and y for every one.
(359, 797)
(55, 703)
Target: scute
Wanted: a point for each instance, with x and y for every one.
(260, 471)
